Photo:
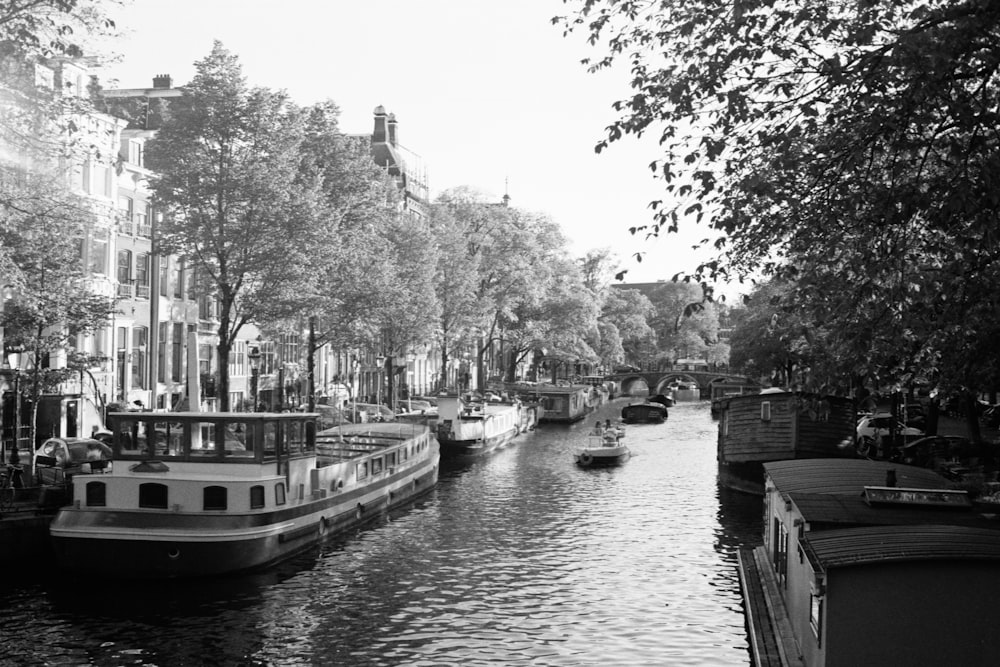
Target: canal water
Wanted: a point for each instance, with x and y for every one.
(519, 558)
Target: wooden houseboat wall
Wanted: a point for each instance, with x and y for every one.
(755, 428)
(566, 404)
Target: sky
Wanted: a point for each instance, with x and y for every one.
(489, 94)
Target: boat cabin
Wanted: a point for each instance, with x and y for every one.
(244, 437)
(880, 551)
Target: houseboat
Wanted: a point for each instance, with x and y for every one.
(870, 563)
(567, 403)
(475, 428)
(776, 425)
(197, 494)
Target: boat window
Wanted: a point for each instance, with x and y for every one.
(214, 498)
(404, 453)
(153, 495)
(377, 465)
(168, 439)
(270, 437)
(362, 470)
(203, 439)
(279, 493)
(239, 439)
(390, 459)
(295, 437)
(256, 497)
(97, 494)
(131, 437)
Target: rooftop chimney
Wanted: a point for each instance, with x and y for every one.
(379, 134)
(393, 136)
(162, 81)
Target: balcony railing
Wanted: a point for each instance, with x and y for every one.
(125, 291)
(146, 231)
(142, 291)
(126, 228)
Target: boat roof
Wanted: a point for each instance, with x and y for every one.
(854, 510)
(391, 430)
(209, 416)
(878, 544)
(846, 476)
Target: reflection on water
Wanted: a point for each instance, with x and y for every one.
(518, 558)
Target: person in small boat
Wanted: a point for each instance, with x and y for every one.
(598, 429)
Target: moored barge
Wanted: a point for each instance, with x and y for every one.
(196, 494)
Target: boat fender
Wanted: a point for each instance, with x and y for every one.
(586, 458)
(360, 511)
(324, 525)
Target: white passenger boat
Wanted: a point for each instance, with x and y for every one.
(604, 449)
(471, 429)
(194, 494)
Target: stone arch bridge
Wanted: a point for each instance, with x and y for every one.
(710, 383)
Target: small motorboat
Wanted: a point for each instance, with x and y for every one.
(606, 448)
(646, 412)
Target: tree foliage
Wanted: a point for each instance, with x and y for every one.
(226, 163)
(848, 147)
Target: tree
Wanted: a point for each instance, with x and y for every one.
(52, 302)
(627, 313)
(848, 147)
(455, 283)
(227, 171)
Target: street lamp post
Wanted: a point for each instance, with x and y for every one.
(254, 356)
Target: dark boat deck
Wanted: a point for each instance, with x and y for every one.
(771, 640)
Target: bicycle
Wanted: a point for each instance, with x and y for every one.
(9, 476)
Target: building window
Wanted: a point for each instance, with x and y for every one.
(153, 495)
(142, 275)
(161, 353)
(178, 280)
(139, 338)
(99, 252)
(164, 277)
(214, 498)
(177, 356)
(124, 273)
(135, 153)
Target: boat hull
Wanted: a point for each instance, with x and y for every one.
(153, 545)
(603, 458)
(644, 413)
(478, 447)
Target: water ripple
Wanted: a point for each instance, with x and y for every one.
(517, 559)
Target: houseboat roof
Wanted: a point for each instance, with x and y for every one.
(853, 510)
(859, 546)
(846, 476)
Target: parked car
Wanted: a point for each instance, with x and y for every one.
(370, 412)
(873, 428)
(412, 405)
(58, 459)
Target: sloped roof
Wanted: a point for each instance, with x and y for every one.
(846, 476)
(858, 546)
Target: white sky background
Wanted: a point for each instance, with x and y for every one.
(485, 91)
